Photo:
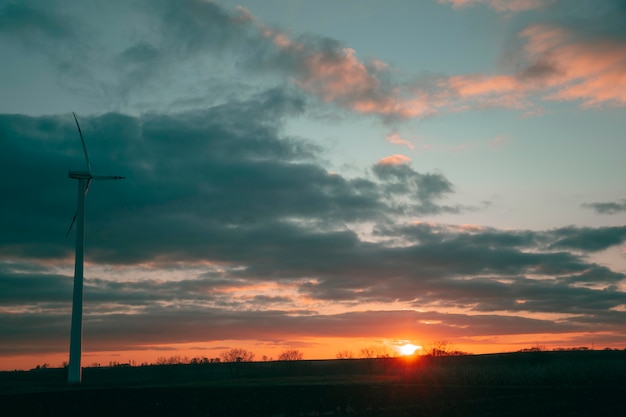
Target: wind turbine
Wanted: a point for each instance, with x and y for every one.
(76, 337)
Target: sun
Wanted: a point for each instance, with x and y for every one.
(408, 349)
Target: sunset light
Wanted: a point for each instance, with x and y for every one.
(408, 349)
(345, 179)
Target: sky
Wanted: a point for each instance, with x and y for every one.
(313, 175)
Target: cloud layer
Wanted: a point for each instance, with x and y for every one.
(232, 226)
(563, 59)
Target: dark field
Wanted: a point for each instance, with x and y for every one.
(534, 384)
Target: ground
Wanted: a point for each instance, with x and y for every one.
(541, 384)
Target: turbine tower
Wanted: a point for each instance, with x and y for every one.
(76, 337)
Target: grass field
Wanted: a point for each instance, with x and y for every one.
(522, 384)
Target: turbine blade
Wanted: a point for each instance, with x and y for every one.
(88, 184)
(107, 177)
(83, 142)
(72, 224)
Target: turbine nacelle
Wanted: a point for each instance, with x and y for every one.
(86, 175)
(80, 175)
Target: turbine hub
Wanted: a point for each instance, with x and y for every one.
(80, 175)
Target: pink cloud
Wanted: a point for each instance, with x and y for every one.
(556, 65)
(336, 75)
(501, 5)
(396, 139)
(341, 78)
(395, 159)
(472, 91)
(591, 70)
(559, 65)
(481, 84)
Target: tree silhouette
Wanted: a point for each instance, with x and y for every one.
(344, 354)
(370, 352)
(237, 355)
(290, 355)
(443, 348)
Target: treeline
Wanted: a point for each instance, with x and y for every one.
(435, 349)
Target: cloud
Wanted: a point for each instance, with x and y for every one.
(588, 69)
(238, 231)
(396, 139)
(224, 225)
(32, 25)
(332, 72)
(171, 46)
(162, 325)
(481, 269)
(501, 5)
(588, 239)
(557, 62)
(168, 59)
(207, 180)
(396, 159)
(608, 207)
(566, 54)
(559, 66)
(503, 280)
(401, 181)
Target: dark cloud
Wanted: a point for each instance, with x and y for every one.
(401, 179)
(223, 200)
(588, 239)
(198, 184)
(349, 272)
(171, 55)
(608, 207)
(33, 25)
(591, 18)
(21, 288)
(153, 47)
(159, 325)
(539, 71)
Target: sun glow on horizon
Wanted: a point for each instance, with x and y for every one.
(408, 349)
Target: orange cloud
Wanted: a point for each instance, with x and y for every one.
(560, 65)
(396, 139)
(591, 70)
(480, 90)
(556, 65)
(480, 84)
(341, 78)
(395, 159)
(336, 75)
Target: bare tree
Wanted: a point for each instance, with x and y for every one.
(438, 348)
(443, 348)
(344, 354)
(290, 355)
(375, 352)
(368, 352)
(237, 355)
(172, 360)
